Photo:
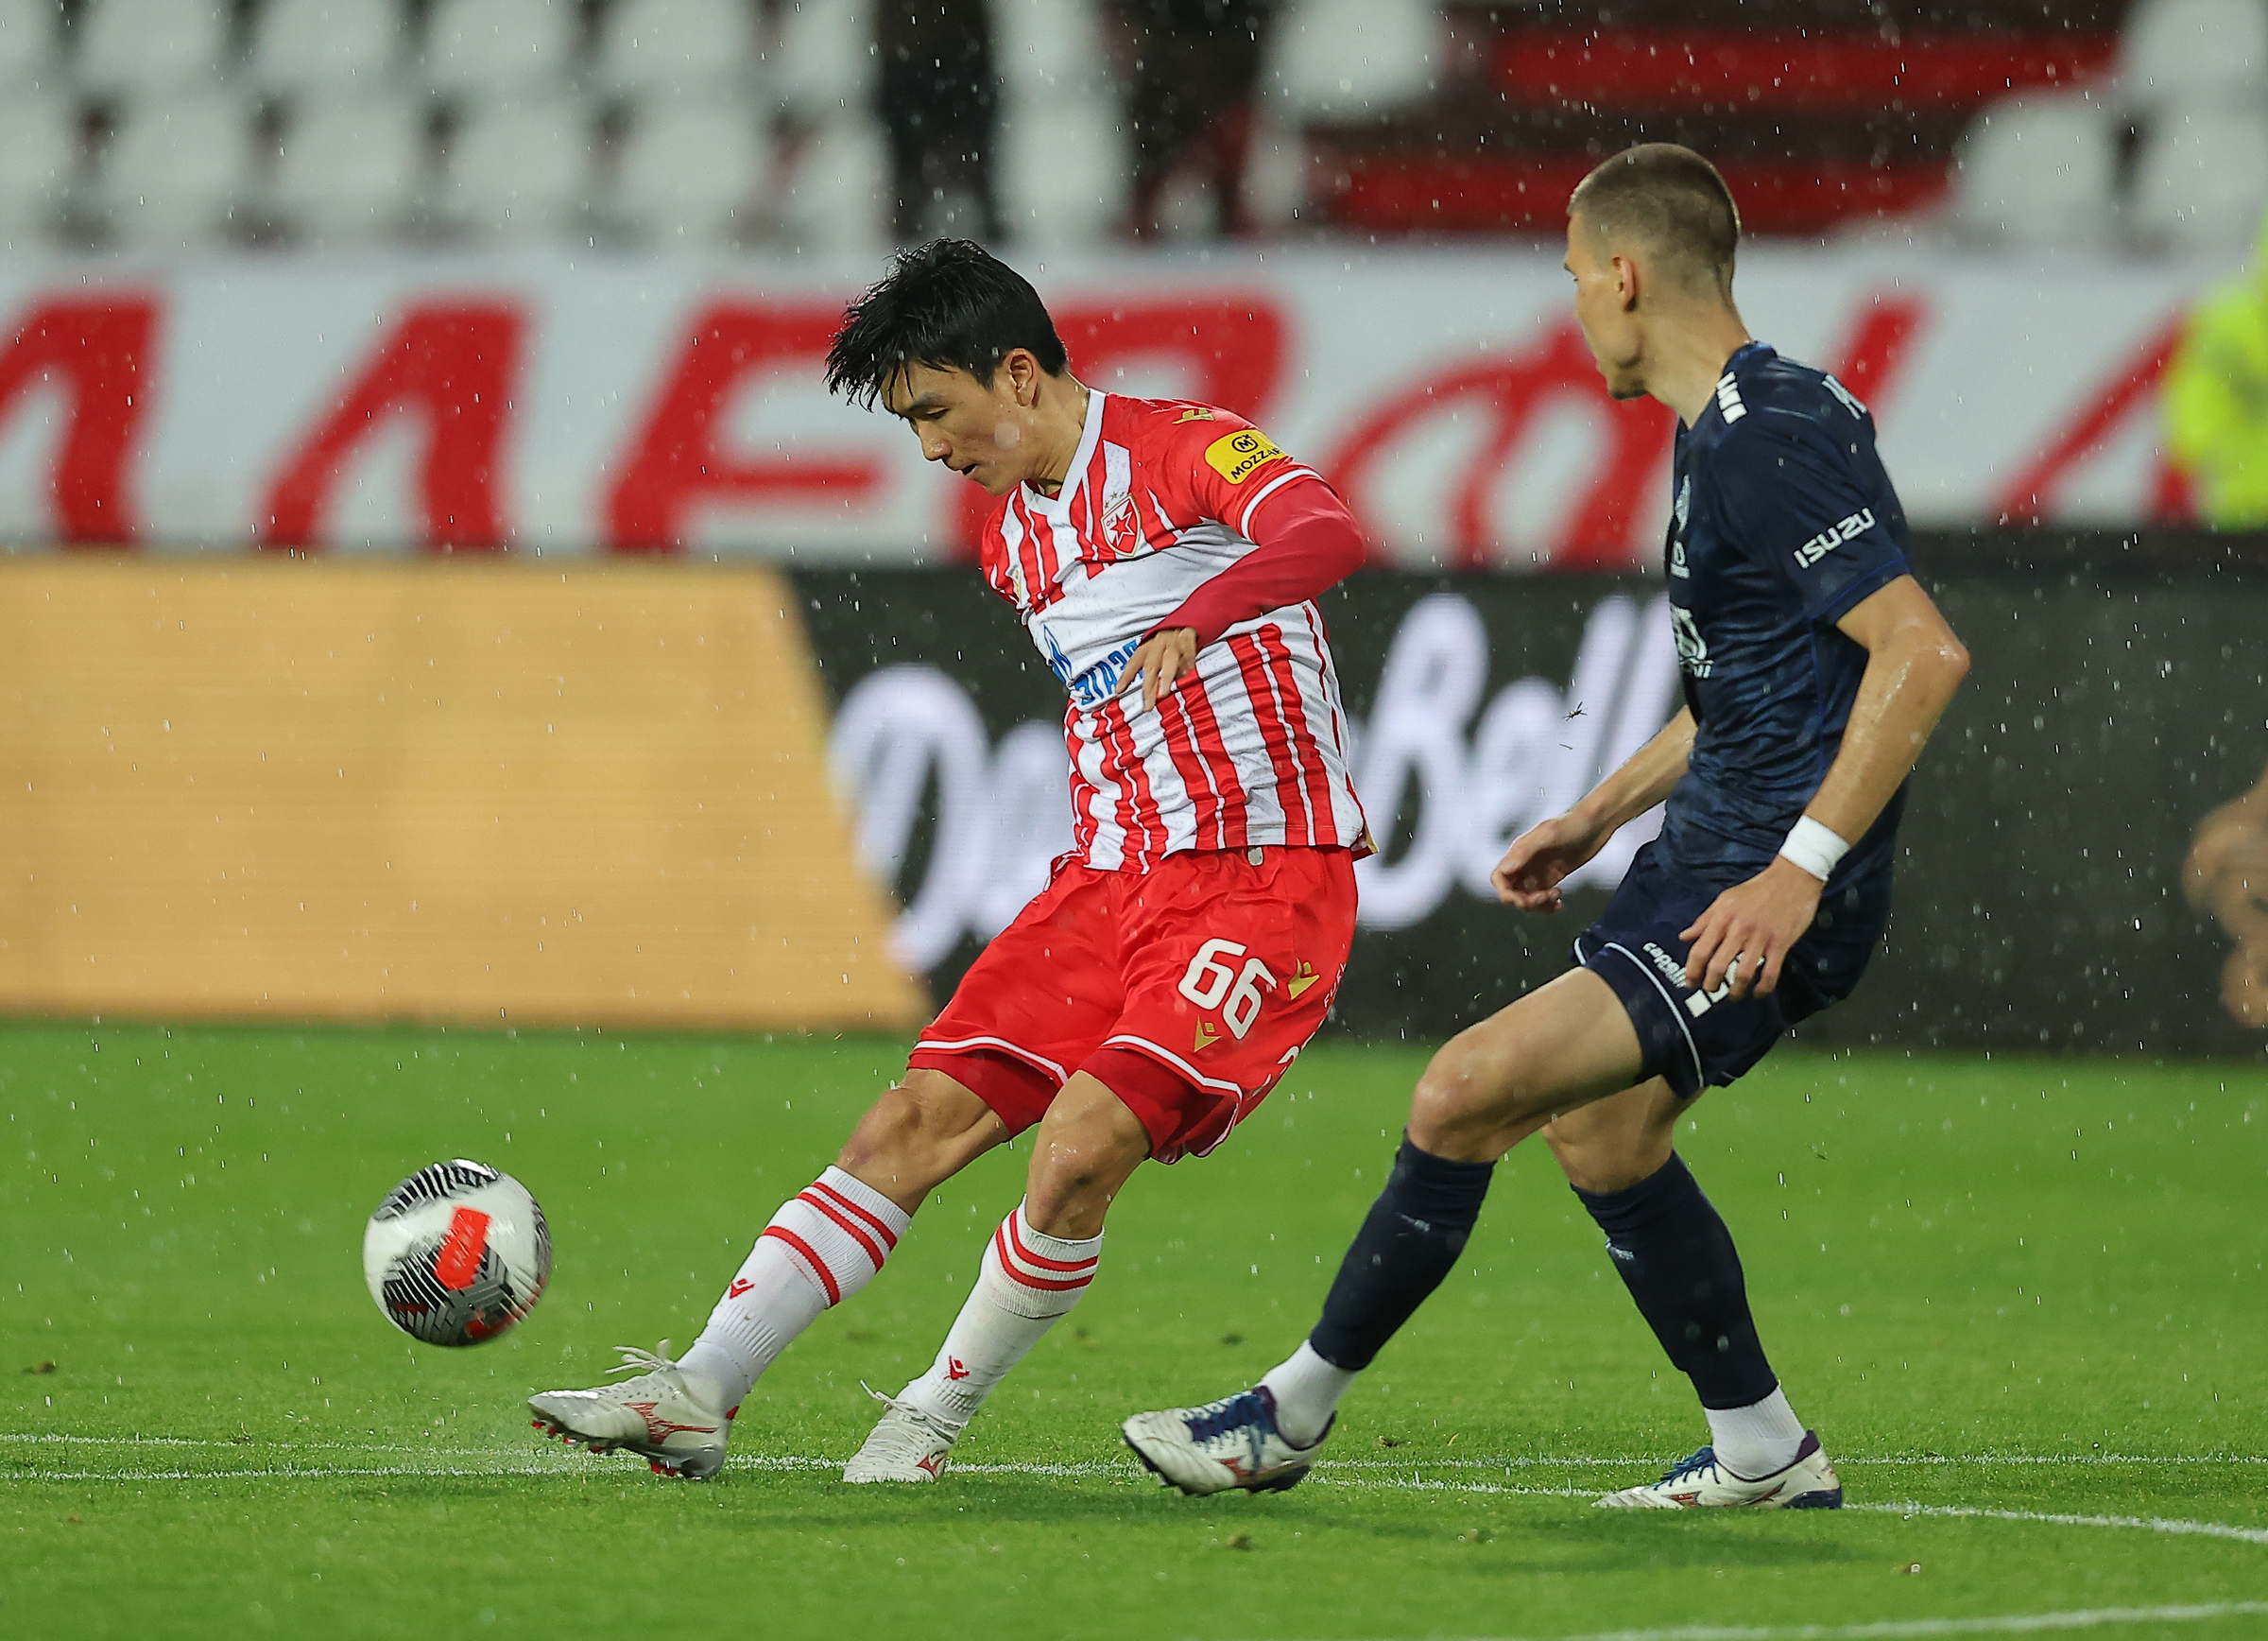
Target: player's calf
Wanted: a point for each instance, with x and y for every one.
(918, 1134)
(1027, 1282)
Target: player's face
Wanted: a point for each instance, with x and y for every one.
(1604, 309)
(981, 430)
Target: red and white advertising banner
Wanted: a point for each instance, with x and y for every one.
(580, 406)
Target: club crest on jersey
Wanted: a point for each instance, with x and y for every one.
(1827, 540)
(1236, 455)
(1122, 525)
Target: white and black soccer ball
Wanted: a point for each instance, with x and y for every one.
(456, 1253)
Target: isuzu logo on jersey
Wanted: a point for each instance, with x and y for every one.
(1827, 540)
(1236, 454)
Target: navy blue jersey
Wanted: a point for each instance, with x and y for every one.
(1784, 519)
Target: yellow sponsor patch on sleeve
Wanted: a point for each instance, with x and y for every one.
(1236, 455)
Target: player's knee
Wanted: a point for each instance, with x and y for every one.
(922, 1129)
(1076, 1170)
(1460, 1092)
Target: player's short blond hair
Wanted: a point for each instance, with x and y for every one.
(1667, 200)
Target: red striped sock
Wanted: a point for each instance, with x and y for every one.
(824, 1243)
(1028, 1282)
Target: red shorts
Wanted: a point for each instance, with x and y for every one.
(1186, 991)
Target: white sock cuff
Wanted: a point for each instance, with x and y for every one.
(855, 1193)
(1756, 1439)
(837, 1233)
(1039, 1275)
(1770, 1420)
(1307, 1390)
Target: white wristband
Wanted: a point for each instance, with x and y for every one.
(1813, 847)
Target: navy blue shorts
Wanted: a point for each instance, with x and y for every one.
(1702, 1040)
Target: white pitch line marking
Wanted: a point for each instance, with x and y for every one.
(1891, 1630)
(1520, 1461)
(2251, 1535)
(1329, 1473)
(2011, 1624)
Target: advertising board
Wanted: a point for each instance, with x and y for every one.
(570, 406)
(2040, 901)
(484, 794)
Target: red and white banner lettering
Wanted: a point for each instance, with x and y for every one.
(552, 406)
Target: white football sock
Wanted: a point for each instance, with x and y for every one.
(1307, 1390)
(1028, 1283)
(1754, 1441)
(823, 1245)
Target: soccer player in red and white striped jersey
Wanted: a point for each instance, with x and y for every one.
(1164, 556)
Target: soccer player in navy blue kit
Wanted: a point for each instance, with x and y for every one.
(1814, 669)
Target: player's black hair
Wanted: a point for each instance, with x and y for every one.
(948, 304)
(1670, 198)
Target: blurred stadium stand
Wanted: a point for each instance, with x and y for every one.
(150, 124)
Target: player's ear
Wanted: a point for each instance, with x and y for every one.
(1021, 371)
(1627, 280)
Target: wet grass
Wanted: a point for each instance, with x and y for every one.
(2034, 1288)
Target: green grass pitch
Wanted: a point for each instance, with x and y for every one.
(2022, 1299)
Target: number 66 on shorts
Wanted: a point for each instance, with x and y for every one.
(1186, 990)
(1211, 983)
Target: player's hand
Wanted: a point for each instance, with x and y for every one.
(1163, 657)
(1753, 924)
(1541, 858)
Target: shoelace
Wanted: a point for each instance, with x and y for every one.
(639, 1363)
(1232, 1416)
(920, 1416)
(1692, 1464)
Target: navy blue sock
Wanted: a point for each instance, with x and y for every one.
(1411, 1237)
(1677, 1258)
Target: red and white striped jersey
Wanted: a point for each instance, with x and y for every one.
(1250, 750)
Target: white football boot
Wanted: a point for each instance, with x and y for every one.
(1232, 1443)
(906, 1444)
(1700, 1482)
(653, 1414)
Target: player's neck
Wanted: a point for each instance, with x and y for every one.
(1684, 361)
(1059, 423)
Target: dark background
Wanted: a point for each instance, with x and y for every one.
(2119, 690)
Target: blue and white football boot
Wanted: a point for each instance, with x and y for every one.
(1232, 1443)
(1700, 1482)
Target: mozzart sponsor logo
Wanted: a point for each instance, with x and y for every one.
(964, 827)
(1235, 457)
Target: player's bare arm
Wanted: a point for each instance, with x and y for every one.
(1542, 857)
(1914, 665)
